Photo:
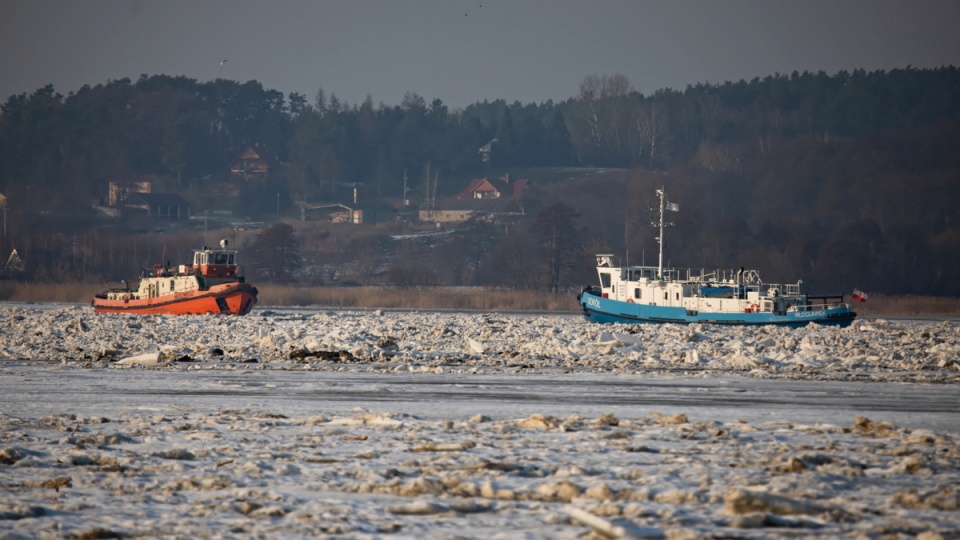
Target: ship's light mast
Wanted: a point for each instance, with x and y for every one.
(663, 199)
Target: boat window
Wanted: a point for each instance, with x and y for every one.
(604, 280)
(678, 296)
(636, 292)
(221, 258)
(230, 258)
(171, 284)
(665, 297)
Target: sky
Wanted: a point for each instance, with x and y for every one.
(461, 51)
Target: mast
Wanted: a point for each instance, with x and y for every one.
(663, 199)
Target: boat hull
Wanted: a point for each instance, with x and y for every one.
(606, 311)
(227, 299)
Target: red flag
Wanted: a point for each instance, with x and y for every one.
(859, 295)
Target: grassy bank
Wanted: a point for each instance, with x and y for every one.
(445, 298)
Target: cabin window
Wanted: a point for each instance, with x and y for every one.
(636, 293)
(221, 258)
(604, 280)
(665, 297)
(678, 296)
(171, 284)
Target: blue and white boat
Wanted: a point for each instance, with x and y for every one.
(654, 294)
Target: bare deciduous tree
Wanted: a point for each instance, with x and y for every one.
(514, 261)
(653, 129)
(558, 240)
(274, 255)
(601, 99)
(431, 179)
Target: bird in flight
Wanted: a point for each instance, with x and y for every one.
(222, 62)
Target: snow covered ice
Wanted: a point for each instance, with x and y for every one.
(290, 423)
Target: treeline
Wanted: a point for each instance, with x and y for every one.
(56, 149)
(849, 178)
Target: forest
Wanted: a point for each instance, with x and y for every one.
(844, 180)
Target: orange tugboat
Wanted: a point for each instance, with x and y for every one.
(212, 284)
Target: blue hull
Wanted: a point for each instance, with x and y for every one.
(603, 310)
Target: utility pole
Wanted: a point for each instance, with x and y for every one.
(626, 237)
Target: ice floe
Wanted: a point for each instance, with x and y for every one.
(261, 462)
(480, 343)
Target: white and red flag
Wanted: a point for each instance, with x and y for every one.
(859, 295)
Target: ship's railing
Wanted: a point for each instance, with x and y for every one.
(732, 276)
(634, 273)
(673, 274)
(819, 307)
(717, 276)
(785, 289)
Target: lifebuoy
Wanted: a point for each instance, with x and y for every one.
(126, 298)
(629, 300)
(755, 308)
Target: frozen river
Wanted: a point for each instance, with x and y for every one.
(38, 388)
(315, 423)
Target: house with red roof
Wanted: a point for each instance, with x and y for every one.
(494, 188)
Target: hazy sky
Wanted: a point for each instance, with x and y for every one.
(463, 51)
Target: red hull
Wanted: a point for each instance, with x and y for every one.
(226, 299)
